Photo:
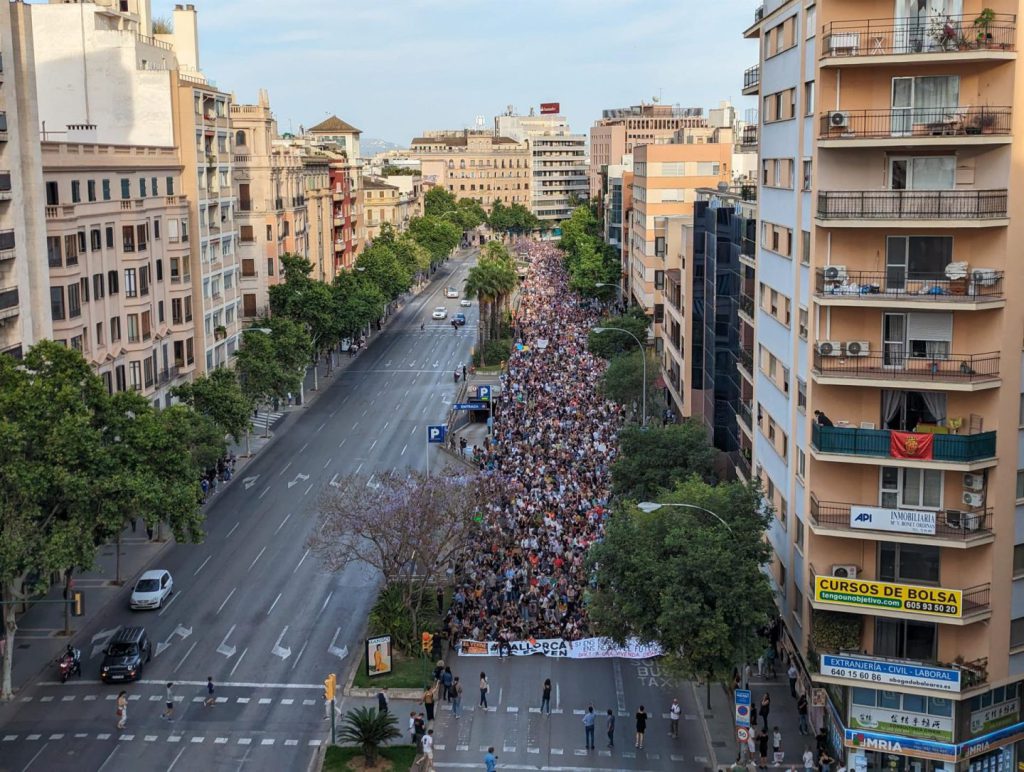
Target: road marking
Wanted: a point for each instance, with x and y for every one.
(320, 427)
(233, 529)
(386, 424)
(282, 523)
(238, 662)
(303, 448)
(328, 463)
(167, 605)
(220, 740)
(403, 449)
(175, 758)
(198, 739)
(326, 601)
(264, 492)
(202, 566)
(274, 603)
(182, 660)
(374, 443)
(332, 413)
(223, 648)
(308, 489)
(257, 558)
(250, 481)
(359, 467)
(299, 655)
(355, 424)
(222, 605)
(287, 702)
(342, 442)
(298, 476)
(341, 652)
(414, 429)
(285, 469)
(301, 560)
(620, 693)
(281, 651)
(558, 696)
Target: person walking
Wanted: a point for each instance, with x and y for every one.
(765, 709)
(675, 710)
(412, 726)
(588, 728)
(801, 709)
(210, 699)
(545, 700)
(447, 679)
(762, 748)
(456, 697)
(609, 727)
(777, 754)
(122, 710)
(808, 759)
(427, 743)
(641, 726)
(169, 701)
(792, 673)
(428, 702)
(484, 688)
(419, 729)
(490, 760)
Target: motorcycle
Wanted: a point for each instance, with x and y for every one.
(70, 663)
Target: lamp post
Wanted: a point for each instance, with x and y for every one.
(643, 361)
(654, 506)
(618, 290)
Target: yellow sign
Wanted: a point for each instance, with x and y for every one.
(934, 601)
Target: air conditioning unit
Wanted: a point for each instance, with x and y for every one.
(973, 499)
(835, 273)
(845, 572)
(838, 120)
(830, 348)
(974, 482)
(984, 277)
(963, 521)
(858, 348)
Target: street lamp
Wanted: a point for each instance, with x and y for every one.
(618, 290)
(643, 361)
(654, 506)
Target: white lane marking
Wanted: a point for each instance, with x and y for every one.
(274, 603)
(175, 760)
(223, 648)
(620, 693)
(374, 443)
(264, 492)
(355, 424)
(403, 449)
(257, 558)
(285, 469)
(201, 567)
(299, 655)
(301, 561)
(222, 605)
(414, 430)
(320, 427)
(238, 662)
(342, 442)
(283, 522)
(326, 601)
(308, 489)
(182, 660)
(101, 767)
(233, 529)
(328, 462)
(303, 448)
(359, 467)
(167, 605)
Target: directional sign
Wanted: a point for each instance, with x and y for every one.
(483, 393)
(184, 632)
(250, 481)
(742, 707)
(299, 476)
(436, 433)
(469, 406)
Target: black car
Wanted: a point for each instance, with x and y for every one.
(459, 319)
(126, 653)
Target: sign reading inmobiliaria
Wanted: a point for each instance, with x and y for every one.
(586, 648)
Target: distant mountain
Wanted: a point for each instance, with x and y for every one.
(370, 146)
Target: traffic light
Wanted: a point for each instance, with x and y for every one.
(77, 603)
(427, 642)
(330, 685)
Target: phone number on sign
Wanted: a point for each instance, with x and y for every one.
(932, 608)
(860, 675)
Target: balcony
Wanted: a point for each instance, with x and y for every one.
(5, 186)
(839, 286)
(746, 308)
(745, 417)
(952, 527)
(8, 302)
(953, 372)
(924, 40)
(921, 127)
(921, 208)
(745, 361)
(957, 452)
(900, 600)
(751, 80)
(748, 137)
(7, 244)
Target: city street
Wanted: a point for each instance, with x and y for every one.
(251, 607)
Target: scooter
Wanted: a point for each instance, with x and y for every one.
(70, 663)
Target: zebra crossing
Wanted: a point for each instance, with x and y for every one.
(264, 421)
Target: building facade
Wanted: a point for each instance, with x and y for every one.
(888, 369)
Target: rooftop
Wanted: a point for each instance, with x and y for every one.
(334, 125)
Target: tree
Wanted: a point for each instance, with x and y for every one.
(470, 213)
(219, 397)
(437, 201)
(358, 301)
(623, 382)
(271, 364)
(438, 235)
(491, 280)
(680, 578)
(369, 729)
(588, 259)
(380, 265)
(413, 256)
(612, 343)
(408, 527)
(655, 459)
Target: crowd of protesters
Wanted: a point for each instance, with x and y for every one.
(553, 441)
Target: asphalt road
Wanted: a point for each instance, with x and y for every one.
(252, 607)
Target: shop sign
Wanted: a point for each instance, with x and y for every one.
(994, 717)
(881, 672)
(901, 723)
(898, 520)
(889, 596)
(993, 740)
(905, 746)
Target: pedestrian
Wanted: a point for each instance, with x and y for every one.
(169, 700)
(588, 728)
(641, 726)
(609, 727)
(808, 758)
(766, 706)
(412, 726)
(427, 743)
(746, 676)
(777, 754)
(675, 710)
(122, 709)
(447, 679)
(825, 762)
(463, 372)
(545, 700)
(762, 748)
(752, 744)
(456, 697)
(419, 729)
(382, 701)
(484, 688)
(791, 673)
(801, 709)
(428, 702)
(440, 600)
(210, 699)
(490, 760)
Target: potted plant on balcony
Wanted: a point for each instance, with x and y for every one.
(943, 32)
(982, 24)
(220, 332)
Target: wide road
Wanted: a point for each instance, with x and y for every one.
(252, 607)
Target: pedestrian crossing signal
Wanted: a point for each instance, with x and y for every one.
(427, 642)
(78, 603)
(330, 686)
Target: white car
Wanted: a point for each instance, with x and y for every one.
(451, 292)
(152, 589)
(440, 313)
(465, 303)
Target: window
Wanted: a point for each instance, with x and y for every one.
(133, 328)
(270, 233)
(270, 266)
(908, 562)
(169, 183)
(801, 394)
(57, 309)
(90, 190)
(142, 187)
(71, 249)
(152, 186)
(923, 258)
(144, 280)
(76, 191)
(905, 639)
(809, 97)
(115, 329)
(136, 375)
(1017, 633)
(97, 285)
(119, 375)
(128, 238)
(95, 240)
(130, 288)
(109, 234)
(142, 232)
(807, 172)
(126, 188)
(188, 310)
(801, 472)
(156, 229)
(112, 282)
(176, 311)
(84, 288)
(106, 190)
(805, 247)
(1020, 484)
(52, 194)
(147, 325)
(54, 253)
(99, 333)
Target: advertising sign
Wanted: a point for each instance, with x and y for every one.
(743, 707)
(994, 717)
(901, 723)
(881, 672)
(378, 655)
(897, 520)
(550, 108)
(863, 593)
(905, 746)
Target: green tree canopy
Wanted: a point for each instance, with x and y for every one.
(655, 459)
(438, 235)
(271, 364)
(612, 343)
(513, 218)
(623, 381)
(492, 281)
(470, 213)
(219, 397)
(588, 259)
(308, 302)
(381, 266)
(437, 201)
(680, 578)
(358, 301)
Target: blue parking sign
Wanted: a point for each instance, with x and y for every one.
(436, 433)
(483, 393)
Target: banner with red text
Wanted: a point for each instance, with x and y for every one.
(586, 648)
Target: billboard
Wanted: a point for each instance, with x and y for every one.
(550, 108)
(378, 655)
(889, 596)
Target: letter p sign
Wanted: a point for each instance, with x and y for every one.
(436, 434)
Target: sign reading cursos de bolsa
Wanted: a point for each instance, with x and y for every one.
(933, 601)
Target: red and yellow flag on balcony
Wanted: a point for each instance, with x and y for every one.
(910, 445)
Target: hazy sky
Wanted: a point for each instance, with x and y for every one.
(395, 67)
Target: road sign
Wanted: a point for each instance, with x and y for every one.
(742, 707)
(483, 393)
(436, 433)
(469, 406)
(742, 734)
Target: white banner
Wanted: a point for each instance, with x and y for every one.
(898, 520)
(586, 648)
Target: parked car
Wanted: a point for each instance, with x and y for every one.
(459, 319)
(152, 589)
(126, 654)
(440, 313)
(451, 292)
(465, 303)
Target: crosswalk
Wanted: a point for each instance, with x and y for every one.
(146, 736)
(265, 420)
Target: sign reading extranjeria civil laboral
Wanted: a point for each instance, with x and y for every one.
(934, 601)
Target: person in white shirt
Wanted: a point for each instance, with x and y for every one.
(808, 758)
(428, 750)
(675, 710)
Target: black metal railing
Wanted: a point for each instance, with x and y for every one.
(752, 77)
(903, 366)
(906, 123)
(924, 35)
(746, 359)
(957, 448)
(912, 204)
(745, 414)
(747, 305)
(949, 523)
(897, 283)
(748, 137)
(758, 13)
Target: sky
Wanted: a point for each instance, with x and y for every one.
(396, 67)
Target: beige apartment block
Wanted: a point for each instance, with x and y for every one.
(395, 199)
(886, 301)
(319, 215)
(476, 165)
(120, 280)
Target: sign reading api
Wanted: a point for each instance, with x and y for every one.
(891, 597)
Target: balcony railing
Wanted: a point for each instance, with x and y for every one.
(961, 368)
(746, 359)
(956, 448)
(748, 137)
(924, 35)
(904, 123)
(912, 204)
(979, 284)
(758, 13)
(752, 77)
(745, 414)
(949, 524)
(8, 302)
(747, 305)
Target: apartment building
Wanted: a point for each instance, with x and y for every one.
(557, 157)
(888, 370)
(319, 216)
(117, 247)
(395, 199)
(613, 192)
(476, 164)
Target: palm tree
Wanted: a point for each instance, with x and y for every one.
(369, 729)
(481, 283)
